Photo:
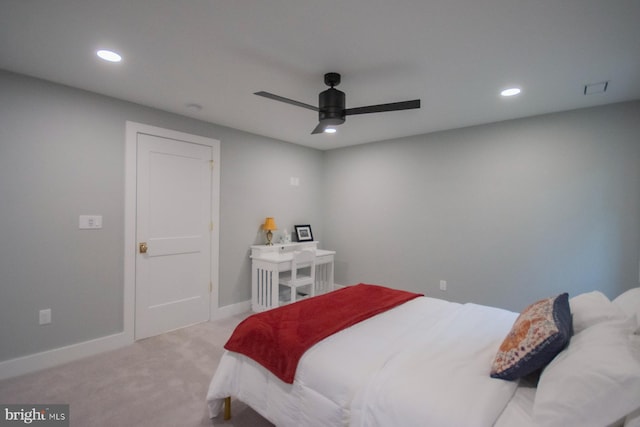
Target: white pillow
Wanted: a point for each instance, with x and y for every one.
(595, 381)
(591, 308)
(629, 302)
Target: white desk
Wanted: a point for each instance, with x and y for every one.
(268, 261)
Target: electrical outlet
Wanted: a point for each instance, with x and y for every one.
(45, 316)
(443, 285)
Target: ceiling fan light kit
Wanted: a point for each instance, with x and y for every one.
(331, 105)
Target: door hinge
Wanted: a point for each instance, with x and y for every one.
(210, 287)
(211, 163)
(211, 226)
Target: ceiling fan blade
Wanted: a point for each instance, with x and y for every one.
(319, 129)
(286, 100)
(380, 108)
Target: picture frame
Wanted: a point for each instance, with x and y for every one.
(304, 233)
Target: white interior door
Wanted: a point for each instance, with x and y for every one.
(173, 230)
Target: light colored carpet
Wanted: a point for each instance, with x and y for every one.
(159, 381)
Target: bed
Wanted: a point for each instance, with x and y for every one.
(430, 362)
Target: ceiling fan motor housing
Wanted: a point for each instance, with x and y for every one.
(331, 106)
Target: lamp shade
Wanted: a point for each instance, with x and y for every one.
(269, 224)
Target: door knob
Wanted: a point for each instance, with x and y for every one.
(143, 248)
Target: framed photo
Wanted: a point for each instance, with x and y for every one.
(303, 232)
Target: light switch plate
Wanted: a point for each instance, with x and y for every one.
(90, 222)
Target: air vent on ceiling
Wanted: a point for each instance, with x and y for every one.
(592, 88)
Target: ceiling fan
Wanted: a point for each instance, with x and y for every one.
(331, 102)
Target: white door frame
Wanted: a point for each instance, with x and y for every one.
(132, 131)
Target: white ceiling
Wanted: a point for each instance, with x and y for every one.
(455, 55)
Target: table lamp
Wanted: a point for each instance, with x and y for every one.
(268, 226)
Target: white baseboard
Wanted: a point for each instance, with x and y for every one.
(58, 356)
(231, 310)
(242, 307)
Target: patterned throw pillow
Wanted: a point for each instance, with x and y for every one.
(540, 332)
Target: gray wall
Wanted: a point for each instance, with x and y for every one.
(62, 155)
(506, 213)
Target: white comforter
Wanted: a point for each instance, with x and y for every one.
(425, 362)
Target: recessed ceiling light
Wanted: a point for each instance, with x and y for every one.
(330, 130)
(109, 55)
(511, 91)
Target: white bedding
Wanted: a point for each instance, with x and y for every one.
(425, 362)
(519, 410)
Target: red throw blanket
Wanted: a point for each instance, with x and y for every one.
(278, 338)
